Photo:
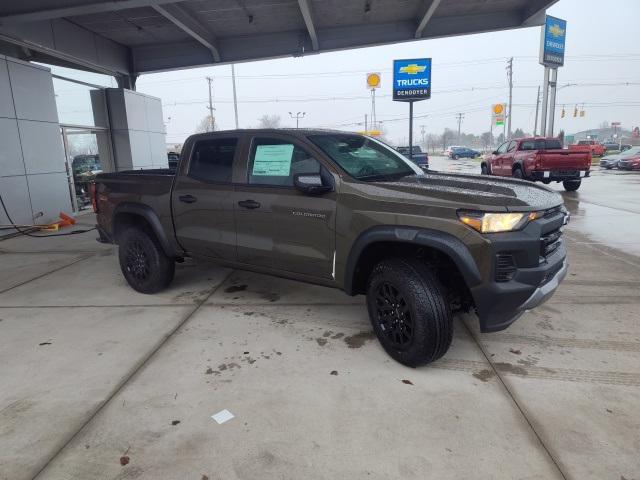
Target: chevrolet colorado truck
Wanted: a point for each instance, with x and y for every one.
(539, 159)
(349, 212)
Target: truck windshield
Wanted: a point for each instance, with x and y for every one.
(364, 158)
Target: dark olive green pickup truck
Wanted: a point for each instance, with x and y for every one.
(344, 211)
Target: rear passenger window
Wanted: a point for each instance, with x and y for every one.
(275, 162)
(528, 145)
(212, 160)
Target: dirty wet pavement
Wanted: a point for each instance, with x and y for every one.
(93, 373)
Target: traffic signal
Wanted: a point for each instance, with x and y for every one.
(562, 113)
(582, 113)
(575, 112)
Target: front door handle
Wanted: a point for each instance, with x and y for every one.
(250, 204)
(187, 198)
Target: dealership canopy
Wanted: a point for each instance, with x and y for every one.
(129, 37)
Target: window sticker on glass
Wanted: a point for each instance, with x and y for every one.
(273, 160)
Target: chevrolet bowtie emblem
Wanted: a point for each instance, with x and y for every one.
(413, 69)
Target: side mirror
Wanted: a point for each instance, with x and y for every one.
(495, 152)
(311, 184)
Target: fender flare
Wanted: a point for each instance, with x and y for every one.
(152, 219)
(444, 242)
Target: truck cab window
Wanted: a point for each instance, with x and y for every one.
(212, 160)
(275, 162)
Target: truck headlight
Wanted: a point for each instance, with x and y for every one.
(495, 222)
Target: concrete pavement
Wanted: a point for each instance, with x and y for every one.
(91, 372)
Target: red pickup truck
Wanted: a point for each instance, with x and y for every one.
(596, 149)
(539, 159)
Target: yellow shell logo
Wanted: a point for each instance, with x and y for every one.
(413, 69)
(373, 80)
(556, 31)
(498, 108)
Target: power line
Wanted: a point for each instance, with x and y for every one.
(601, 58)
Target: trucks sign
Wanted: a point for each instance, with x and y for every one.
(554, 33)
(411, 79)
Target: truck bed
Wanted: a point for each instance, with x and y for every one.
(151, 188)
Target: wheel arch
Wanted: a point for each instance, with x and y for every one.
(135, 214)
(375, 244)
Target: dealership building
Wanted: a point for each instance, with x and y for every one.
(55, 132)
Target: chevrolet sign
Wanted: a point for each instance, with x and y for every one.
(411, 79)
(552, 41)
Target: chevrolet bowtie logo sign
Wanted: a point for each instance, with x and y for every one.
(412, 69)
(556, 31)
(411, 79)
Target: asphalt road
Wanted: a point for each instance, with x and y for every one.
(606, 208)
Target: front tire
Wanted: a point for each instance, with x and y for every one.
(143, 262)
(484, 169)
(455, 157)
(571, 185)
(409, 312)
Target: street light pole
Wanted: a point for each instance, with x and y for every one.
(297, 116)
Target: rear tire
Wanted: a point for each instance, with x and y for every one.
(409, 311)
(143, 262)
(571, 185)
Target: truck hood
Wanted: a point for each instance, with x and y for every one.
(475, 191)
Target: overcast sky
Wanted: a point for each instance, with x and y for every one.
(602, 53)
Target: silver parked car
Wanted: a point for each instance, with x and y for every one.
(611, 161)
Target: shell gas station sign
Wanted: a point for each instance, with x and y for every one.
(498, 113)
(373, 80)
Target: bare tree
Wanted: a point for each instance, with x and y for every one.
(269, 121)
(207, 124)
(487, 139)
(447, 136)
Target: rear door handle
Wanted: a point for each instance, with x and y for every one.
(250, 204)
(187, 198)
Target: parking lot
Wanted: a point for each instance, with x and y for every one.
(99, 381)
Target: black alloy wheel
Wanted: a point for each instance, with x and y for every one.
(393, 316)
(136, 261)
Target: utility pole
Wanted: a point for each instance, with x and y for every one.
(422, 131)
(535, 123)
(552, 100)
(366, 125)
(212, 123)
(235, 99)
(545, 102)
(510, 77)
(297, 116)
(460, 117)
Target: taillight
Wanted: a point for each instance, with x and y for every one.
(93, 191)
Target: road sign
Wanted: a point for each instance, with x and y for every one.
(411, 79)
(498, 114)
(552, 40)
(373, 80)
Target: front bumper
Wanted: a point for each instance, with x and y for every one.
(533, 281)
